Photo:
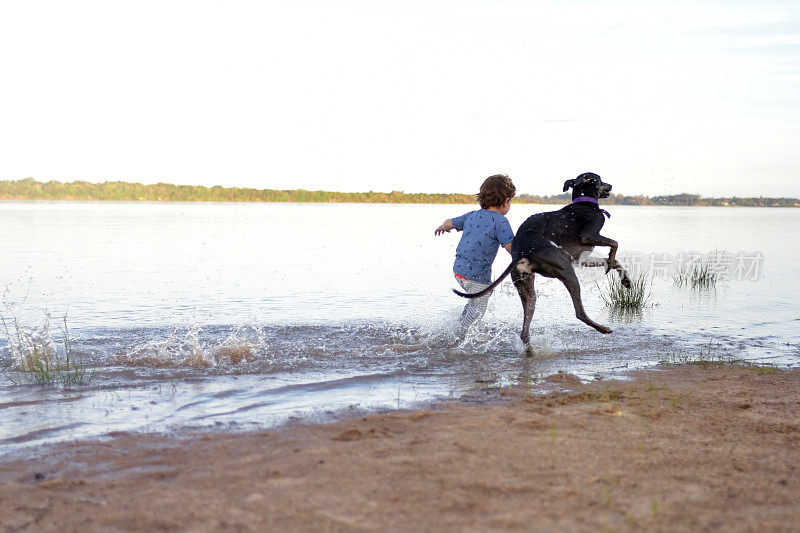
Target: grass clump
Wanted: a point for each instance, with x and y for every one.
(702, 274)
(40, 361)
(763, 370)
(633, 299)
(709, 356)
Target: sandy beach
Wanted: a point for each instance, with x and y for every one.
(677, 448)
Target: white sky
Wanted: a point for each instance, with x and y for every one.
(432, 96)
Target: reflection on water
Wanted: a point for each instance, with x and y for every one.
(249, 315)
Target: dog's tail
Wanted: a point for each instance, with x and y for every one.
(491, 287)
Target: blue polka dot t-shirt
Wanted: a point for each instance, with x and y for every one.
(484, 232)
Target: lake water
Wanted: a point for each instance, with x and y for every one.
(198, 315)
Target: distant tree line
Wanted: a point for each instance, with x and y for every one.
(30, 189)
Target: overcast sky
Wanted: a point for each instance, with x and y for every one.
(432, 96)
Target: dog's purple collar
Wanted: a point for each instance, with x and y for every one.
(585, 199)
(594, 201)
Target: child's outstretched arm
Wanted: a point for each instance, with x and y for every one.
(446, 226)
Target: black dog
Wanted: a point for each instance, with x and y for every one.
(548, 244)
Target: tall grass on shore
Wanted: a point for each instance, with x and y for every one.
(709, 355)
(628, 300)
(40, 361)
(712, 356)
(703, 274)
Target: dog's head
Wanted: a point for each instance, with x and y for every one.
(588, 184)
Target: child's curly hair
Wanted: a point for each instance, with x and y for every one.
(495, 191)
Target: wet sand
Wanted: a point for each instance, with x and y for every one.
(680, 448)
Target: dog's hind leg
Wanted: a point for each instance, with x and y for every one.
(566, 274)
(522, 276)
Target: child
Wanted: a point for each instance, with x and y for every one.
(484, 231)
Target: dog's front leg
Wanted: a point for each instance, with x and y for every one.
(589, 238)
(613, 264)
(623, 275)
(586, 260)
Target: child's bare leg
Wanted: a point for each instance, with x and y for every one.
(475, 307)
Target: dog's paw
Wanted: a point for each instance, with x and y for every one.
(529, 351)
(605, 329)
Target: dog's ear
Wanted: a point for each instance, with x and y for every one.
(577, 181)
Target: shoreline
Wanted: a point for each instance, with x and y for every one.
(521, 201)
(679, 447)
